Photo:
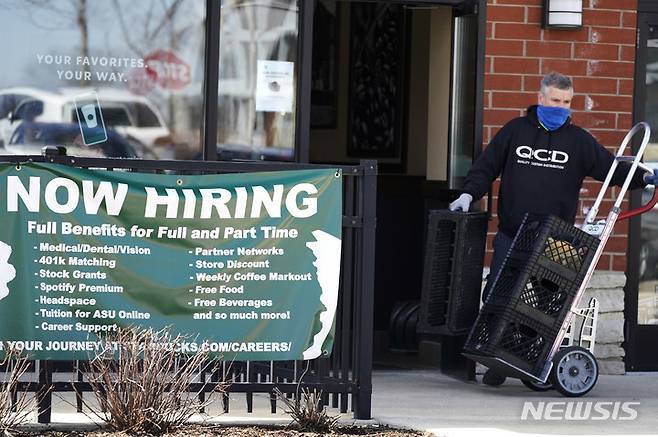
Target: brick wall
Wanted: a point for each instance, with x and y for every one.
(599, 58)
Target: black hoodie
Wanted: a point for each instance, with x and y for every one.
(541, 171)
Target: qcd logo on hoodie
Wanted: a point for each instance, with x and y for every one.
(541, 157)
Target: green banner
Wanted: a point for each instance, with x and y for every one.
(245, 265)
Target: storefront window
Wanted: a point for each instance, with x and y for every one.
(118, 78)
(257, 79)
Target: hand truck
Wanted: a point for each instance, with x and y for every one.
(569, 368)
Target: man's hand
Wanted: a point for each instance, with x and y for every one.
(651, 178)
(463, 203)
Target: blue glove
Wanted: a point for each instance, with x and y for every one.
(651, 178)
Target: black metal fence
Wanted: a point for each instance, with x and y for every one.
(345, 377)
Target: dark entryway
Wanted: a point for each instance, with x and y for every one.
(396, 82)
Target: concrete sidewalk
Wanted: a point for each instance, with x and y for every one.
(429, 400)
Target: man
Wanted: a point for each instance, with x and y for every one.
(542, 159)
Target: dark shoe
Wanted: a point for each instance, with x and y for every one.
(491, 377)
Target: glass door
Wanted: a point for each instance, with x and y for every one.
(258, 71)
(642, 288)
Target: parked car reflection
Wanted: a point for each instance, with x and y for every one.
(133, 117)
(29, 137)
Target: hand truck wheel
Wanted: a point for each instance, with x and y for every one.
(537, 386)
(575, 371)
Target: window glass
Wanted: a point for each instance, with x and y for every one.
(131, 68)
(257, 85)
(647, 304)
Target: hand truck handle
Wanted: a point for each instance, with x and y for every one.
(642, 209)
(591, 215)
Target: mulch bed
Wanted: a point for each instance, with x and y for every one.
(245, 431)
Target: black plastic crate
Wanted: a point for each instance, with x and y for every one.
(554, 244)
(534, 290)
(532, 293)
(452, 274)
(504, 333)
(544, 269)
(508, 284)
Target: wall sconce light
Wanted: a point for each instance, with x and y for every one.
(563, 14)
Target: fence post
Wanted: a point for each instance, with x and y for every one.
(366, 287)
(44, 392)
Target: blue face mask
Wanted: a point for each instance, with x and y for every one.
(552, 117)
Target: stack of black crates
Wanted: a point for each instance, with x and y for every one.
(533, 293)
(452, 274)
